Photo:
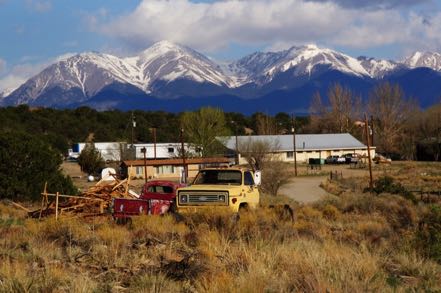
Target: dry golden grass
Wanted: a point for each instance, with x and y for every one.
(328, 247)
(351, 243)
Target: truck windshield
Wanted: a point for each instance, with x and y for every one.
(219, 177)
(160, 189)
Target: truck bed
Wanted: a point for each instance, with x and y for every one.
(124, 207)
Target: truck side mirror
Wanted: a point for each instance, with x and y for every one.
(258, 178)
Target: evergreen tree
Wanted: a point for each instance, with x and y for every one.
(27, 162)
(90, 159)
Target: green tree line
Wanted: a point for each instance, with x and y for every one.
(62, 128)
(400, 127)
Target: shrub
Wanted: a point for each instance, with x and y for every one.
(330, 212)
(275, 175)
(429, 234)
(386, 184)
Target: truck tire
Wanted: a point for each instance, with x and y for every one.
(244, 207)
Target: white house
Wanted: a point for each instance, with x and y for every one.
(318, 146)
(161, 150)
(111, 151)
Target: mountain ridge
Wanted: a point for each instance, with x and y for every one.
(171, 71)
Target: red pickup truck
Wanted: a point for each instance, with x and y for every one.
(157, 198)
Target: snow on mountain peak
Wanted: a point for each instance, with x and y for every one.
(169, 61)
(377, 68)
(86, 74)
(6, 92)
(424, 59)
(301, 60)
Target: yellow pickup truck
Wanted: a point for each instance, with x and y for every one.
(234, 188)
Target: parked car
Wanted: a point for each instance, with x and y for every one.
(331, 160)
(157, 198)
(335, 160)
(341, 160)
(350, 158)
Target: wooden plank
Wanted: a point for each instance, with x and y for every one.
(73, 207)
(119, 184)
(43, 197)
(21, 207)
(74, 196)
(56, 207)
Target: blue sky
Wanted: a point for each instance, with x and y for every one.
(34, 33)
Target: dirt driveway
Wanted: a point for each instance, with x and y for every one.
(304, 189)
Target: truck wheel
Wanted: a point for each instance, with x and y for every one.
(243, 207)
(173, 209)
(178, 217)
(123, 221)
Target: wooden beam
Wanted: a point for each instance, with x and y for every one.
(73, 196)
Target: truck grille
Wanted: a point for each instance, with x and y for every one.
(203, 198)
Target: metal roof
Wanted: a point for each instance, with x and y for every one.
(178, 161)
(330, 141)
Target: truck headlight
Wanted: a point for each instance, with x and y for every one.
(222, 198)
(183, 198)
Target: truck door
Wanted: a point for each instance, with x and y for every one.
(251, 191)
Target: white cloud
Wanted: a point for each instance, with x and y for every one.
(375, 4)
(210, 26)
(276, 23)
(20, 73)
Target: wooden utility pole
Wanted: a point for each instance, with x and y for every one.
(154, 142)
(184, 163)
(133, 128)
(236, 157)
(236, 147)
(366, 129)
(293, 130)
(144, 151)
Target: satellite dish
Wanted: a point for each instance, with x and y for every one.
(106, 174)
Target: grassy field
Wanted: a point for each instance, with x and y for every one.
(353, 242)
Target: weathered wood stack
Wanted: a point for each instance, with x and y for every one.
(93, 202)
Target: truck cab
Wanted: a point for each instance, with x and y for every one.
(157, 198)
(232, 188)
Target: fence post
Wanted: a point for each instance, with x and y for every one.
(56, 207)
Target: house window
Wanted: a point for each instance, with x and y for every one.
(289, 155)
(167, 169)
(139, 171)
(171, 150)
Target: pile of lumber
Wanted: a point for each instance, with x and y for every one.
(93, 202)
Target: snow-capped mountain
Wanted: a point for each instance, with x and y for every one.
(168, 61)
(167, 73)
(378, 68)
(424, 59)
(305, 60)
(6, 92)
(86, 74)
